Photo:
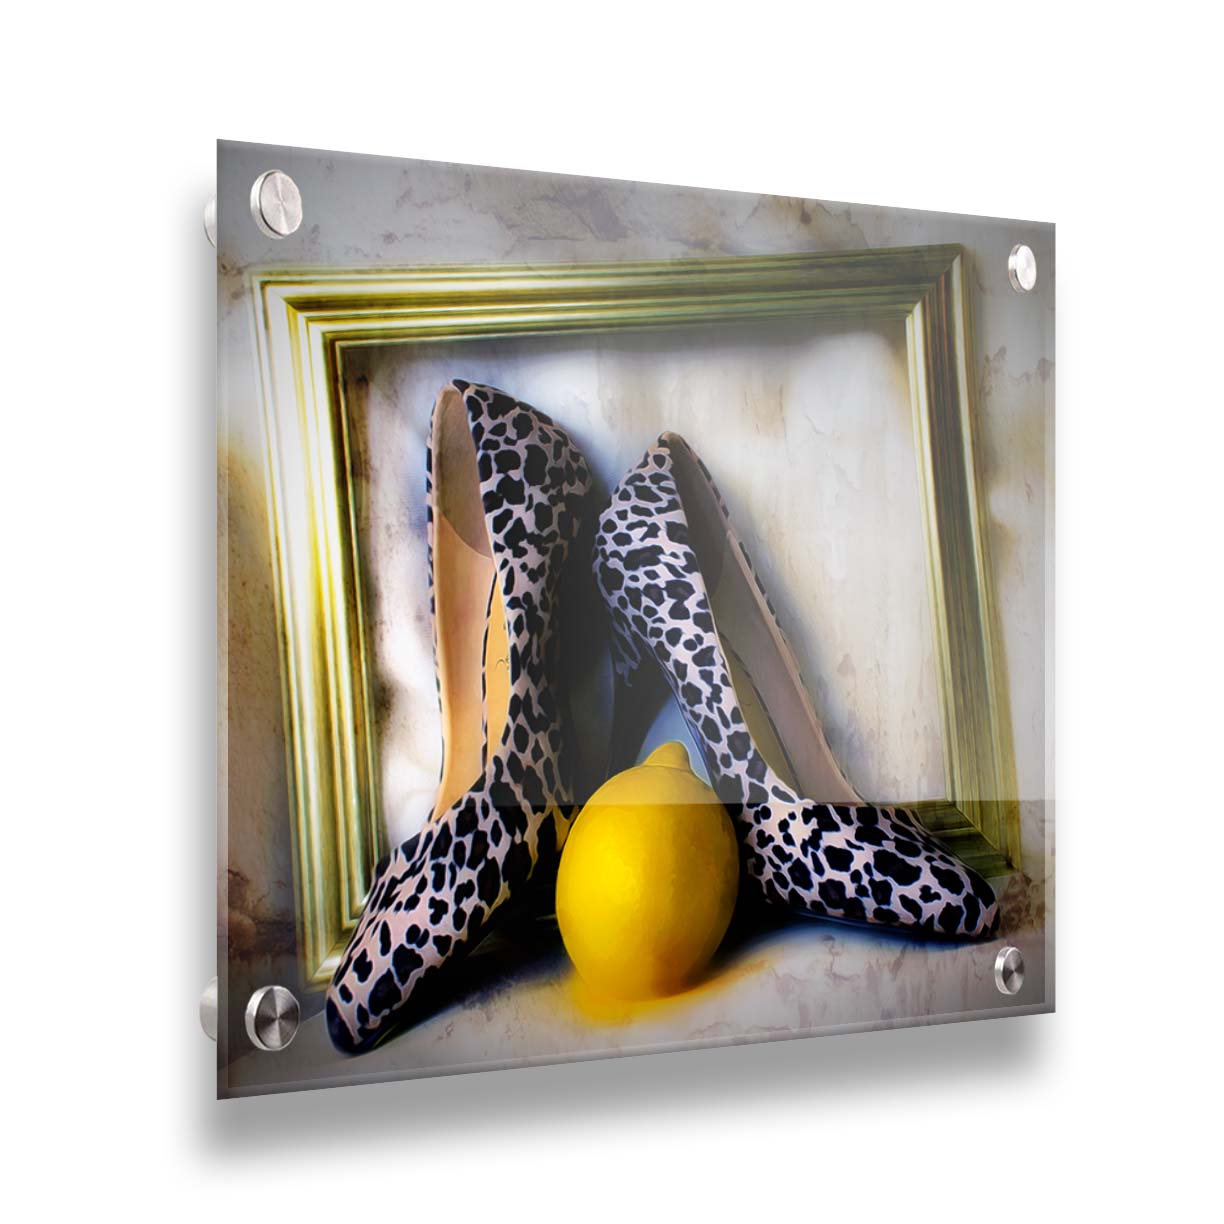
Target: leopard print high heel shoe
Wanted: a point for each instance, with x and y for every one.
(505, 488)
(682, 595)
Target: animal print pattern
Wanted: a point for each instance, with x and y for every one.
(433, 897)
(856, 862)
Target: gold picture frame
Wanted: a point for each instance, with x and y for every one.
(304, 320)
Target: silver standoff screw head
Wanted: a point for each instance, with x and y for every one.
(272, 1016)
(1009, 971)
(210, 219)
(1022, 268)
(276, 204)
(208, 1010)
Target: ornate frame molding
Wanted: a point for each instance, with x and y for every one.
(304, 320)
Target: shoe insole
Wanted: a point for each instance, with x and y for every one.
(469, 613)
(788, 733)
(768, 687)
(496, 669)
(757, 719)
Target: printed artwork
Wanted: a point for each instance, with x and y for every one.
(634, 618)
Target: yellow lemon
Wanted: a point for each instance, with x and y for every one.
(648, 879)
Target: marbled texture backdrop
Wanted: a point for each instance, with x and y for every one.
(806, 427)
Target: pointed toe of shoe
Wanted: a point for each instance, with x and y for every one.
(342, 1037)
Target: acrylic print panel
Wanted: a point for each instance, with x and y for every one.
(857, 828)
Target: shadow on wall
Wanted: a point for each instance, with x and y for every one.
(816, 1071)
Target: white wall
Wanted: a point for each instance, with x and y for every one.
(1108, 125)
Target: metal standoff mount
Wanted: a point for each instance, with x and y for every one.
(208, 1010)
(1022, 268)
(272, 1016)
(1009, 971)
(276, 204)
(210, 219)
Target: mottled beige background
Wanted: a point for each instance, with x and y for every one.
(831, 400)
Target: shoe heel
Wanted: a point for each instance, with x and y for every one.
(639, 690)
